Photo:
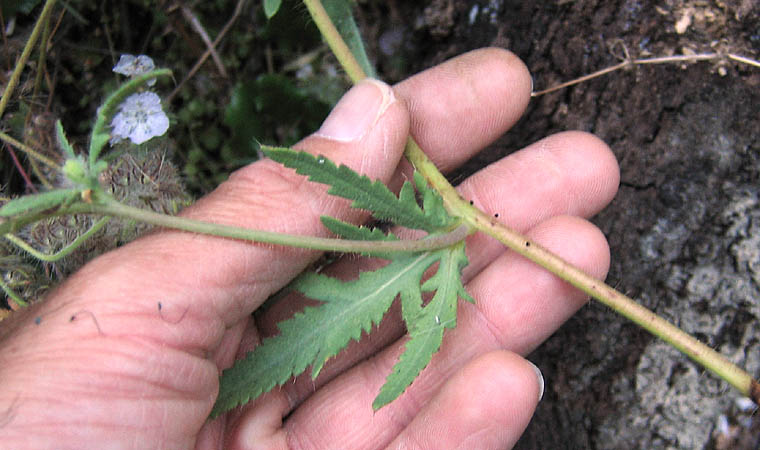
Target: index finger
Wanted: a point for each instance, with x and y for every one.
(459, 107)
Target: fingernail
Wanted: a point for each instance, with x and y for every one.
(540, 378)
(357, 112)
(532, 85)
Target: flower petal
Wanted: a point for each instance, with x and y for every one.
(139, 119)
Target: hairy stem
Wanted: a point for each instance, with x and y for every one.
(12, 295)
(597, 289)
(107, 206)
(62, 253)
(481, 221)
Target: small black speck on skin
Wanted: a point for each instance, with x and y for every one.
(496, 215)
(527, 244)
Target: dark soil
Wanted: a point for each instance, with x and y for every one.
(685, 227)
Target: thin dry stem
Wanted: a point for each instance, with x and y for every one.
(21, 62)
(198, 27)
(29, 151)
(630, 62)
(208, 52)
(743, 59)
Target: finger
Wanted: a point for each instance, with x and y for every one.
(464, 104)
(565, 174)
(520, 304)
(570, 173)
(486, 405)
(348, 398)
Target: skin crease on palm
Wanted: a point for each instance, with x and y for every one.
(100, 365)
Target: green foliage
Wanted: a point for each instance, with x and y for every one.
(351, 308)
(75, 170)
(11, 7)
(369, 195)
(426, 323)
(271, 7)
(260, 107)
(21, 280)
(63, 142)
(59, 243)
(31, 204)
(341, 15)
(351, 231)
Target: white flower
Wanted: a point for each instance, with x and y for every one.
(140, 118)
(133, 66)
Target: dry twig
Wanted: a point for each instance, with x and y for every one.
(210, 51)
(628, 61)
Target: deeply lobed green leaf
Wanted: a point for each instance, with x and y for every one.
(318, 333)
(366, 194)
(426, 324)
(350, 231)
(351, 308)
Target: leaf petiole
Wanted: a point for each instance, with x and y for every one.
(433, 242)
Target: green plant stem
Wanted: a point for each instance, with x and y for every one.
(112, 207)
(62, 253)
(16, 75)
(42, 56)
(335, 41)
(481, 221)
(10, 293)
(107, 206)
(597, 289)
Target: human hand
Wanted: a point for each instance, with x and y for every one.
(127, 352)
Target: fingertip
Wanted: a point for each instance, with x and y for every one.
(358, 111)
(523, 302)
(539, 380)
(366, 130)
(505, 377)
(509, 70)
(466, 103)
(487, 404)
